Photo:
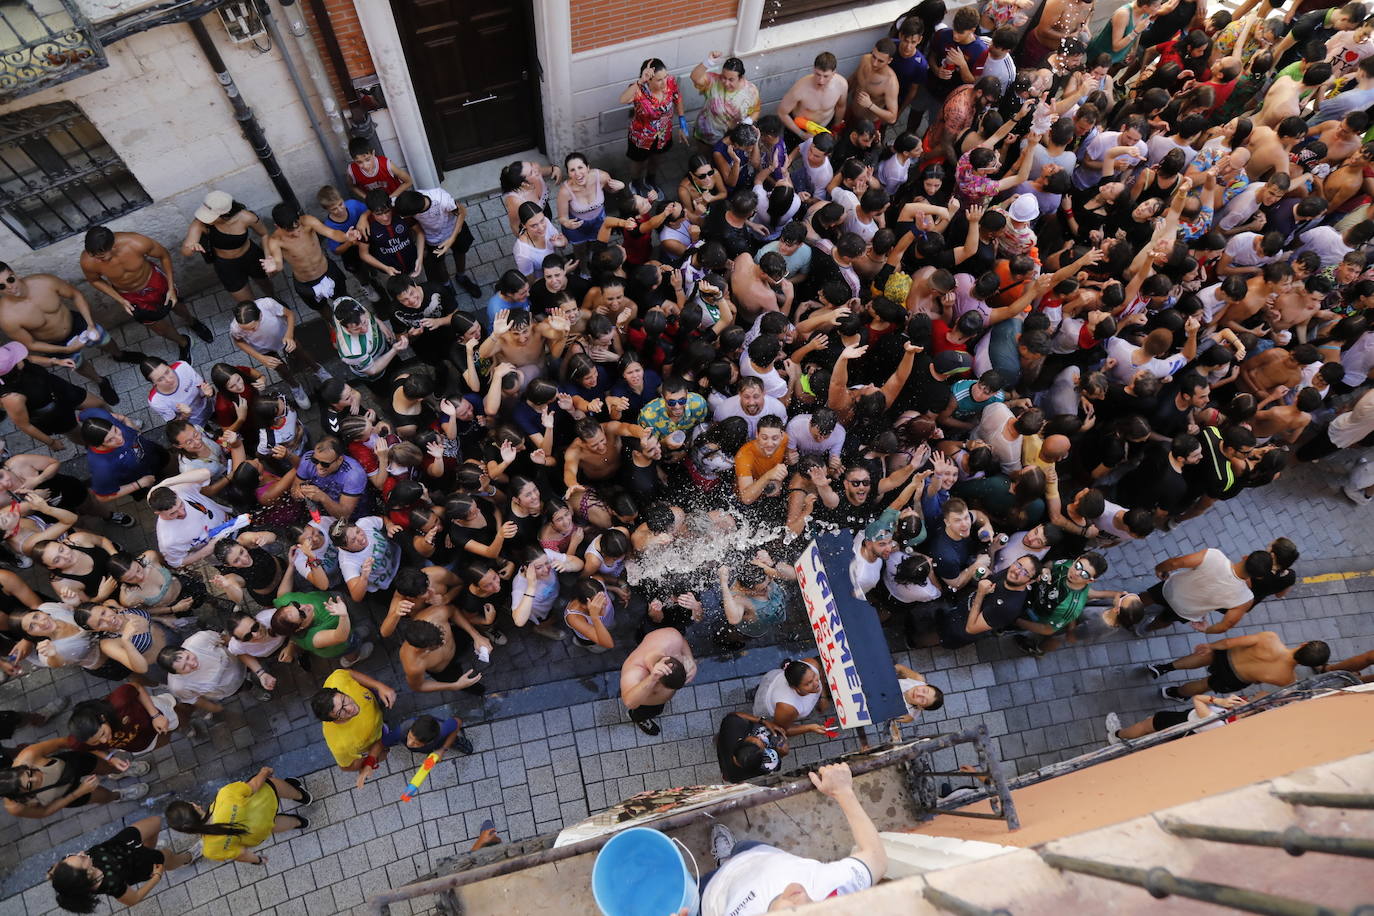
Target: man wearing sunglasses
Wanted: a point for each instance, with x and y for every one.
(672, 417)
(1057, 600)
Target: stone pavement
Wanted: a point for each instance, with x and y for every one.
(552, 743)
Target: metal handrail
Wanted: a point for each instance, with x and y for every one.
(859, 763)
(957, 905)
(1161, 883)
(1294, 840)
(1359, 801)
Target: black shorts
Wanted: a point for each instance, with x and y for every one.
(59, 414)
(67, 492)
(643, 713)
(1221, 677)
(1168, 718)
(305, 288)
(234, 273)
(435, 268)
(638, 154)
(1156, 593)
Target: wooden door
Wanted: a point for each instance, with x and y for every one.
(476, 76)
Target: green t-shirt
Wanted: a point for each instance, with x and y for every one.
(325, 620)
(1052, 601)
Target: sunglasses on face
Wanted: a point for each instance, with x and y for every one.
(1083, 570)
(858, 482)
(706, 174)
(675, 402)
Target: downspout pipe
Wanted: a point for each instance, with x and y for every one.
(357, 120)
(332, 151)
(252, 130)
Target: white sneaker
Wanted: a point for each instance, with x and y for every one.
(1113, 726)
(1358, 497)
(322, 374)
(300, 397)
(363, 653)
(132, 792)
(722, 843)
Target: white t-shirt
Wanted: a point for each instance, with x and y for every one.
(820, 175)
(437, 222)
(270, 334)
(218, 677)
(907, 594)
(892, 172)
(179, 538)
(906, 683)
(545, 590)
(730, 407)
(748, 882)
(863, 574)
(384, 552)
(774, 689)
(1326, 242)
(1124, 370)
(261, 648)
(800, 438)
(1014, 549)
(1210, 586)
(991, 428)
(187, 392)
(774, 382)
(529, 259)
(845, 198)
(1358, 360)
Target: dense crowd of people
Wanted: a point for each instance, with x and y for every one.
(1005, 297)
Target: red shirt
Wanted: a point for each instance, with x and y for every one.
(132, 729)
(383, 180)
(939, 338)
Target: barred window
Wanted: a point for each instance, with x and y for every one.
(58, 176)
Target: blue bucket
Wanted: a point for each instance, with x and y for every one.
(641, 873)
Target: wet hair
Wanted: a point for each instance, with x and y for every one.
(73, 887)
(1313, 654)
(425, 729)
(94, 430)
(88, 716)
(794, 672)
(419, 633)
(183, 817)
(99, 239)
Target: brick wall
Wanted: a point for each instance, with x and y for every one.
(344, 19)
(597, 23)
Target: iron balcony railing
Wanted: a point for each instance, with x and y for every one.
(43, 43)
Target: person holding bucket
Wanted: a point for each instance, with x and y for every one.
(753, 877)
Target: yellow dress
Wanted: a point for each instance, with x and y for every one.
(349, 741)
(237, 803)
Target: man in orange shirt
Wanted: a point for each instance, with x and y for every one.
(759, 468)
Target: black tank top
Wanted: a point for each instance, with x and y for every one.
(222, 240)
(100, 564)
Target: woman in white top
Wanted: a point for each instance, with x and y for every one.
(178, 391)
(523, 182)
(916, 693)
(790, 693)
(1125, 359)
(535, 240)
(893, 171)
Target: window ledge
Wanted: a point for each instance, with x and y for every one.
(839, 22)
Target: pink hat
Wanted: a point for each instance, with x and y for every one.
(11, 355)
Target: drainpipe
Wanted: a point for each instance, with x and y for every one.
(357, 120)
(252, 130)
(333, 146)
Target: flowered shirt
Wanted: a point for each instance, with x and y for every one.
(651, 121)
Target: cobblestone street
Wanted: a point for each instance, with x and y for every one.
(553, 742)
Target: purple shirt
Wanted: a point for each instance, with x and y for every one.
(349, 480)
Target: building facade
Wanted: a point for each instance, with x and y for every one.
(136, 127)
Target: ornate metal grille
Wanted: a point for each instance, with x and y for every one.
(42, 43)
(58, 176)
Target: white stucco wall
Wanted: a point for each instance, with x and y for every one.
(775, 57)
(160, 107)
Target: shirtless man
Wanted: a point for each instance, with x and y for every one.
(761, 286)
(658, 667)
(136, 272)
(1350, 179)
(595, 455)
(1240, 661)
(1059, 20)
(846, 401)
(1285, 422)
(1286, 96)
(414, 590)
(296, 242)
(819, 96)
(33, 311)
(430, 654)
(932, 290)
(1263, 373)
(875, 87)
(515, 339)
(1261, 300)
(1343, 138)
(1269, 148)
